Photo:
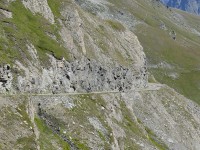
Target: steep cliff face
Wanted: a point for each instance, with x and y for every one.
(76, 77)
(192, 6)
(104, 55)
(82, 75)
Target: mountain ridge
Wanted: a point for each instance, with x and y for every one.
(191, 6)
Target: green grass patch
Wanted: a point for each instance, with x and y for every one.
(131, 128)
(55, 6)
(22, 109)
(24, 27)
(80, 145)
(129, 123)
(188, 82)
(155, 141)
(116, 25)
(27, 142)
(101, 136)
(47, 137)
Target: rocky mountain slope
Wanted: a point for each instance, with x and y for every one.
(192, 6)
(74, 75)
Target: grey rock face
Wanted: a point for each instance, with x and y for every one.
(6, 13)
(82, 75)
(40, 6)
(5, 78)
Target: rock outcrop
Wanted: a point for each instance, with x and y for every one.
(40, 6)
(6, 13)
(83, 75)
(5, 78)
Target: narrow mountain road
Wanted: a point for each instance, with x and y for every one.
(150, 87)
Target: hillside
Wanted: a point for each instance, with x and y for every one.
(98, 74)
(171, 44)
